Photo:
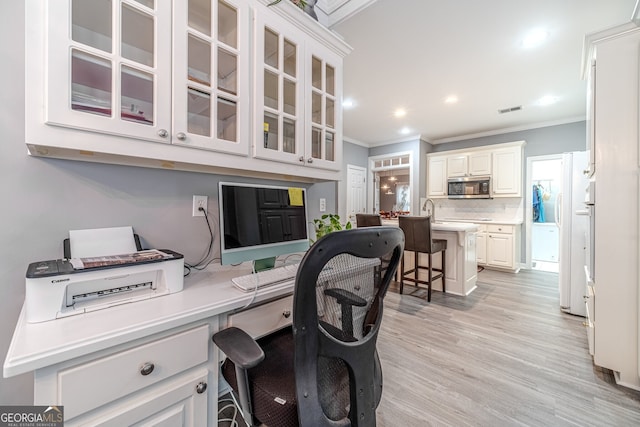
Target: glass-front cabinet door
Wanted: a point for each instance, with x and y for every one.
(211, 75)
(109, 67)
(279, 85)
(323, 145)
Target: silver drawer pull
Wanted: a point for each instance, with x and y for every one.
(201, 387)
(147, 368)
(181, 136)
(163, 133)
(286, 314)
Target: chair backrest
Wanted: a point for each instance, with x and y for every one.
(417, 233)
(368, 220)
(337, 311)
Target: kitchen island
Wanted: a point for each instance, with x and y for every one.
(461, 271)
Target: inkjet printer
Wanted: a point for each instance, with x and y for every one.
(70, 286)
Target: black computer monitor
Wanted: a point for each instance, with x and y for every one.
(261, 221)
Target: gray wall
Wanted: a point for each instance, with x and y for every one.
(43, 199)
(541, 141)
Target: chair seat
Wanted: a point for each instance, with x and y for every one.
(438, 245)
(273, 389)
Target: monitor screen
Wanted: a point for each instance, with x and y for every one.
(261, 221)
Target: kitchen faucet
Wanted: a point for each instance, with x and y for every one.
(432, 211)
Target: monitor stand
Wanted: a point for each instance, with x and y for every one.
(264, 264)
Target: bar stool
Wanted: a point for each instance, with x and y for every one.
(368, 220)
(417, 239)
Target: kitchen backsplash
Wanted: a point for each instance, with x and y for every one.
(508, 208)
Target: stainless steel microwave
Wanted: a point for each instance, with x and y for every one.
(475, 187)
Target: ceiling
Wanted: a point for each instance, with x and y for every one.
(413, 54)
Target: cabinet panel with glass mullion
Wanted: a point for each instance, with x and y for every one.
(112, 65)
(278, 93)
(211, 76)
(323, 142)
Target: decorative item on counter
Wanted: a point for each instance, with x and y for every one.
(328, 223)
(306, 5)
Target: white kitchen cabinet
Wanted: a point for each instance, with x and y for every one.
(297, 92)
(125, 75)
(481, 244)
(472, 164)
(437, 176)
(613, 292)
(502, 246)
(507, 172)
(147, 379)
(173, 85)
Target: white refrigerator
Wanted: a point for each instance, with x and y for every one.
(573, 221)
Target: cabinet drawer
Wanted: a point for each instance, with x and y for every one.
(500, 228)
(264, 319)
(96, 383)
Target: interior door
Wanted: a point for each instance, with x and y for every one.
(356, 196)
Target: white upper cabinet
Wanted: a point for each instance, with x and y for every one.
(479, 164)
(437, 176)
(298, 88)
(471, 164)
(457, 165)
(108, 67)
(111, 70)
(106, 78)
(507, 172)
(211, 75)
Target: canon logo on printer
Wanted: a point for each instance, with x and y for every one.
(60, 280)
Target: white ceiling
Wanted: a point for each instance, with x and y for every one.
(412, 54)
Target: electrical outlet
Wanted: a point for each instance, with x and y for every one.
(323, 205)
(199, 202)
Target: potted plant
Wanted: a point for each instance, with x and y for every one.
(328, 223)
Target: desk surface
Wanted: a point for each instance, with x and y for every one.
(206, 293)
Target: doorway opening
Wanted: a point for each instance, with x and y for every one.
(544, 184)
(392, 188)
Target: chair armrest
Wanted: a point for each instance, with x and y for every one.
(243, 350)
(343, 296)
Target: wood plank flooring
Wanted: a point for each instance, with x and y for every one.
(503, 356)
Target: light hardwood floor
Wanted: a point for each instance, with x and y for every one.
(503, 356)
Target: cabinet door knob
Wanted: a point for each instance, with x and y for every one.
(162, 133)
(286, 314)
(181, 136)
(201, 387)
(147, 368)
(310, 160)
(301, 158)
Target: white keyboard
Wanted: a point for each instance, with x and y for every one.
(248, 283)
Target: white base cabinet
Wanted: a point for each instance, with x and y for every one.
(146, 381)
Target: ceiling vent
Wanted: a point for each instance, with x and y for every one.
(510, 109)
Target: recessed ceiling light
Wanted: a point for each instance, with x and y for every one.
(405, 131)
(535, 38)
(348, 103)
(400, 112)
(547, 100)
(451, 99)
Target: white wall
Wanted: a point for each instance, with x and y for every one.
(42, 199)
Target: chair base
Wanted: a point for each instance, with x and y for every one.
(406, 275)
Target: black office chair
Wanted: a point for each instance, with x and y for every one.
(417, 232)
(324, 370)
(368, 220)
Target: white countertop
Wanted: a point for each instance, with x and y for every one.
(206, 293)
(442, 225)
(482, 220)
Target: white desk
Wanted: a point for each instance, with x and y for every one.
(92, 363)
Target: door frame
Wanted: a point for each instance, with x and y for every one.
(528, 201)
(413, 182)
